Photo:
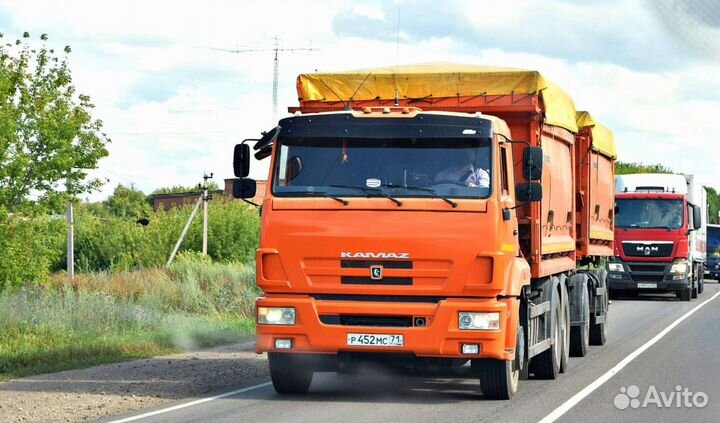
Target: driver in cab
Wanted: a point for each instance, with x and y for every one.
(463, 171)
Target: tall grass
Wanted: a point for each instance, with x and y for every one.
(102, 317)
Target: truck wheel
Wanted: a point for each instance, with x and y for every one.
(499, 378)
(684, 295)
(546, 365)
(580, 335)
(694, 292)
(289, 375)
(701, 277)
(565, 327)
(598, 331)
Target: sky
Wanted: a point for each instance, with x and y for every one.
(174, 103)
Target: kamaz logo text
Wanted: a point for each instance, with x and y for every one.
(376, 255)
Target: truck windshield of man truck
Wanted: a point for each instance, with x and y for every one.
(649, 213)
(428, 167)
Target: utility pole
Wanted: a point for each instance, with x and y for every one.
(70, 235)
(276, 65)
(205, 198)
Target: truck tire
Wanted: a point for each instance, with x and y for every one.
(289, 374)
(598, 331)
(580, 335)
(499, 379)
(565, 326)
(546, 365)
(694, 292)
(684, 294)
(701, 277)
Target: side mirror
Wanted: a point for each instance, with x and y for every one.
(241, 160)
(528, 192)
(532, 163)
(697, 217)
(244, 188)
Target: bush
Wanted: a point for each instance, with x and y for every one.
(102, 317)
(120, 244)
(28, 249)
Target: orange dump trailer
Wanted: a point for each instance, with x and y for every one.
(431, 217)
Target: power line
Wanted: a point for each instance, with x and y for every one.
(276, 65)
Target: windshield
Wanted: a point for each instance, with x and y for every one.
(649, 213)
(455, 168)
(713, 242)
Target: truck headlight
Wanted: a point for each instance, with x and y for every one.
(478, 321)
(615, 267)
(276, 316)
(680, 267)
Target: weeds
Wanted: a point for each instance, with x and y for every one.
(100, 318)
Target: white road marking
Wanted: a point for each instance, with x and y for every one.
(190, 404)
(575, 399)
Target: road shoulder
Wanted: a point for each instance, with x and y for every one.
(96, 392)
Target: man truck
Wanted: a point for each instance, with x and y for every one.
(439, 216)
(660, 230)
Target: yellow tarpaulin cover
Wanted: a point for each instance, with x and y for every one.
(438, 80)
(603, 140)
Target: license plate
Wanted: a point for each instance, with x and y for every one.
(647, 285)
(374, 340)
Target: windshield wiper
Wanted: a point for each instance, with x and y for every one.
(368, 191)
(668, 227)
(428, 190)
(322, 194)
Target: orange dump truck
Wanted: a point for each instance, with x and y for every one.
(432, 218)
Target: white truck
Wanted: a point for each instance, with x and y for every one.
(698, 239)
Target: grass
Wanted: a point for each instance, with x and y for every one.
(104, 318)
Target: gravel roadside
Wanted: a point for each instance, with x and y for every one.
(96, 392)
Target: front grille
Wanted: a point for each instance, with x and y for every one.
(377, 321)
(365, 264)
(647, 267)
(377, 298)
(361, 280)
(647, 249)
(647, 272)
(647, 278)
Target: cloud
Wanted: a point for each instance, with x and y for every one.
(694, 24)
(616, 32)
(174, 108)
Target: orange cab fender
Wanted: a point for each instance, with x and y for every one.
(517, 276)
(512, 320)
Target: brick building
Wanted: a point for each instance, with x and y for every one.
(259, 194)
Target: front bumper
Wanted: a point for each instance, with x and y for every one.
(440, 337)
(646, 277)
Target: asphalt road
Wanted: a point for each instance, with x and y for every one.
(685, 362)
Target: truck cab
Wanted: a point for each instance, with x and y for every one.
(653, 221)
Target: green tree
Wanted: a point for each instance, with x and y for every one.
(623, 168)
(713, 204)
(47, 133)
(180, 189)
(128, 202)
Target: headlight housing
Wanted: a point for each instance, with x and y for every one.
(478, 321)
(680, 267)
(615, 267)
(276, 315)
